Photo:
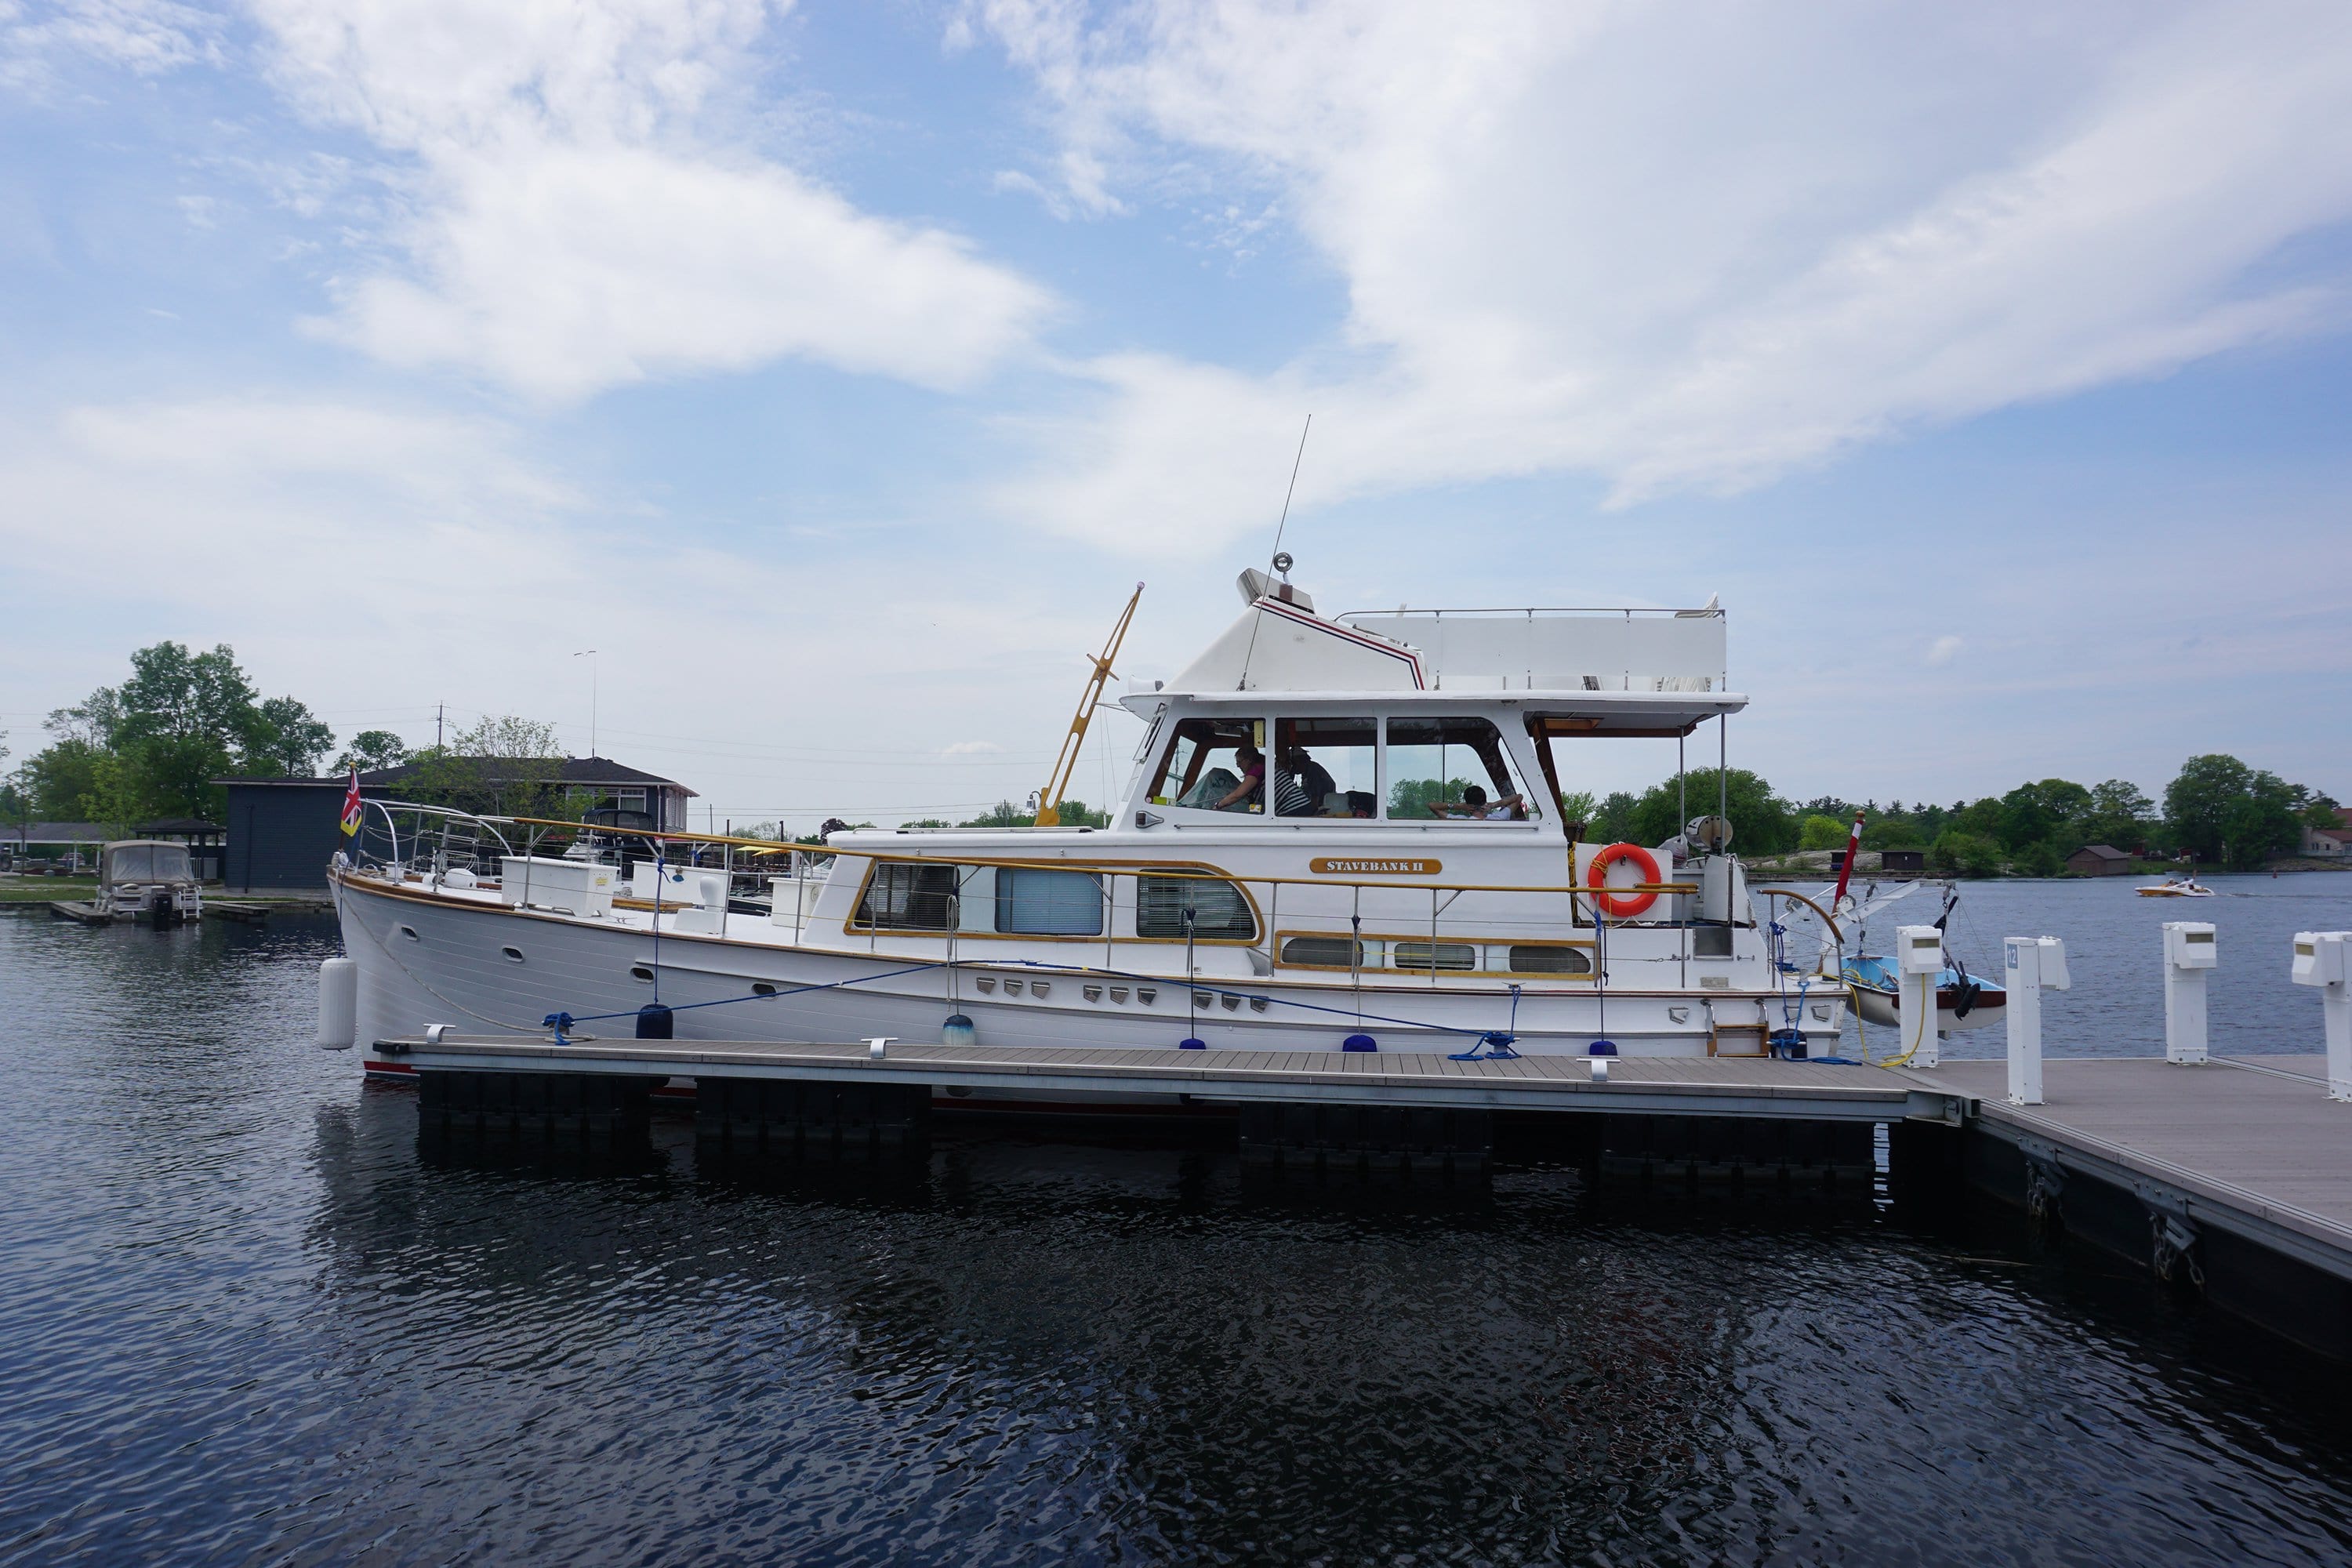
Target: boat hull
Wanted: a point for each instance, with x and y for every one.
(485, 968)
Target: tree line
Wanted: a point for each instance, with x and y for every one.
(152, 746)
(2217, 808)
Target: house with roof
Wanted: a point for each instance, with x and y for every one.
(2330, 843)
(282, 832)
(2099, 860)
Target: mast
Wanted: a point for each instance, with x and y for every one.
(1049, 799)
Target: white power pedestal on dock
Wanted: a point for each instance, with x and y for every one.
(1918, 959)
(2031, 966)
(2324, 958)
(2188, 952)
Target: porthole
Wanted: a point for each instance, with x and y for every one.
(640, 972)
(513, 954)
(410, 933)
(761, 988)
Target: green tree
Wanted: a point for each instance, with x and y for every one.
(2266, 820)
(2198, 801)
(182, 718)
(296, 739)
(1960, 853)
(370, 750)
(503, 765)
(2121, 815)
(1577, 808)
(117, 800)
(1762, 822)
(1410, 798)
(1821, 832)
(54, 780)
(1614, 822)
(2050, 811)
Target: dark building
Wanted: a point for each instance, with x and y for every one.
(2099, 860)
(1903, 859)
(586, 780)
(283, 832)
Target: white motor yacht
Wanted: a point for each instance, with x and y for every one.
(1341, 833)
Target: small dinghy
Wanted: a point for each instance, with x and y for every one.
(1963, 1001)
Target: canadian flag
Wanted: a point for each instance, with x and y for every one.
(352, 805)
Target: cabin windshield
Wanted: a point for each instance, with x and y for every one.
(1326, 767)
(1453, 768)
(1204, 765)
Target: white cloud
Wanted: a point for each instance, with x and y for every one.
(1682, 253)
(147, 37)
(1942, 649)
(583, 212)
(970, 749)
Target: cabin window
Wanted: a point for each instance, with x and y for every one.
(1436, 956)
(1326, 767)
(1324, 951)
(1048, 903)
(903, 897)
(1219, 912)
(1435, 763)
(1203, 763)
(1537, 959)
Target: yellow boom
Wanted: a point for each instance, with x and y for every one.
(1049, 801)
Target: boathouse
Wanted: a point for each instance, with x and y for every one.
(282, 832)
(2099, 860)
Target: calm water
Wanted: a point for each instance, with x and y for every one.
(2115, 956)
(240, 1319)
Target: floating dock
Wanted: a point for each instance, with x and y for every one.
(2231, 1179)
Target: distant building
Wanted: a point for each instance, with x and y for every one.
(2099, 860)
(586, 782)
(1903, 859)
(71, 842)
(282, 832)
(2330, 843)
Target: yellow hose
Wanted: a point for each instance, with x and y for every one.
(1927, 1012)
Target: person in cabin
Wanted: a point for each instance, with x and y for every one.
(1312, 781)
(1474, 807)
(1251, 763)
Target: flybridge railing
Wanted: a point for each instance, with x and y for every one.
(1587, 649)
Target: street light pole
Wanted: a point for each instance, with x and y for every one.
(590, 655)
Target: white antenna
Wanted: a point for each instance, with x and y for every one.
(1278, 561)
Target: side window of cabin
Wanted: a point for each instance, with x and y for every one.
(1219, 912)
(903, 897)
(1326, 767)
(1048, 903)
(1451, 768)
(1202, 765)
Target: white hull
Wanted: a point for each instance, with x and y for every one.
(455, 971)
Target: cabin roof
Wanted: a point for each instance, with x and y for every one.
(1569, 713)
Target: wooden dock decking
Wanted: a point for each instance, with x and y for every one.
(1649, 1085)
(2252, 1145)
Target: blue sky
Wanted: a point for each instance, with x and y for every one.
(834, 369)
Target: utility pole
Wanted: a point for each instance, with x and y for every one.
(590, 655)
(440, 711)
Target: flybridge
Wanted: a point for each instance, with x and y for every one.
(1280, 644)
(1561, 649)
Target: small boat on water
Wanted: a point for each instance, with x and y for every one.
(2186, 886)
(149, 880)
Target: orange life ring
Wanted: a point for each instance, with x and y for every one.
(1622, 906)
